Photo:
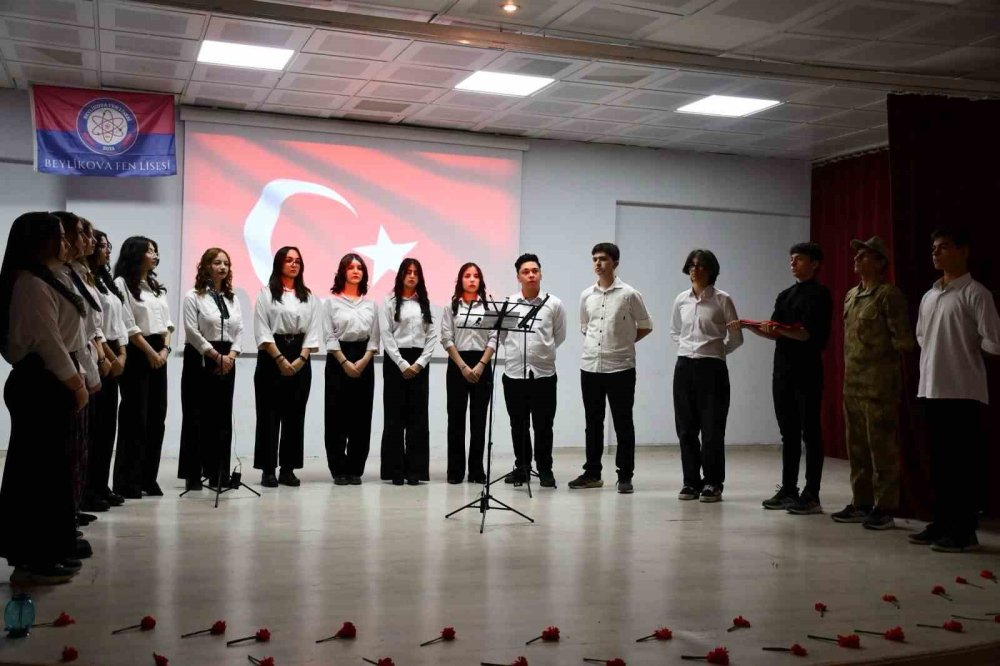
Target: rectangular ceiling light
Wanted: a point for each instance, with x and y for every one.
(732, 107)
(496, 83)
(243, 55)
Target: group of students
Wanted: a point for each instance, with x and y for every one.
(79, 338)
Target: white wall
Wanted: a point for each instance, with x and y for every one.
(570, 195)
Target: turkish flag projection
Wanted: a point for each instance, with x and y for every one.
(251, 191)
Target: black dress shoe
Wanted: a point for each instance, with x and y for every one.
(192, 484)
(71, 564)
(85, 519)
(79, 534)
(269, 480)
(341, 480)
(129, 492)
(413, 482)
(82, 550)
(397, 482)
(480, 480)
(94, 504)
(454, 481)
(153, 490)
(114, 499)
(287, 478)
(355, 480)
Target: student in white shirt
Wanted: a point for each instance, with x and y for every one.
(700, 327)
(469, 380)
(409, 335)
(352, 341)
(529, 373)
(288, 326)
(104, 425)
(41, 336)
(213, 324)
(613, 317)
(143, 410)
(957, 326)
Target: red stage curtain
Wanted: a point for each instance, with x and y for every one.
(850, 199)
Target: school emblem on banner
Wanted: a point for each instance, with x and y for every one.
(82, 132)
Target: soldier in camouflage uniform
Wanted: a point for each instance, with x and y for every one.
(876, 331)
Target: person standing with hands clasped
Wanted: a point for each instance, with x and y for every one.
(288, 326)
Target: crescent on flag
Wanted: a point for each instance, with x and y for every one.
(263, 217)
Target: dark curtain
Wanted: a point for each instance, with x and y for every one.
(850, 199)
(945, 173)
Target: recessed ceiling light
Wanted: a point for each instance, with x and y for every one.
(243, 55)
(510, 7)
(516, 85)
(721, 105)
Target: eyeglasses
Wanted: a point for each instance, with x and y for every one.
(290, 260)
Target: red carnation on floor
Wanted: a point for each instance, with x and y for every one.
(347, 630)
(988, 575)
(69, 653)
(895, 634)
(218, 628)
(549, 635)
(719, 655)
(996, 618)
(941, 592)
(382, 661)
(891, 599)
(160, 660)
(849, 641)
(617, 661)
(821, 608)
(64, 620)
(953, 625)
(798, 650)
(147, 623)
(739, 622)
(447, 634)
(963, 581)
(661, 634)
(262, 635)
(266, 661)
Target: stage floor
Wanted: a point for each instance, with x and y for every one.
(604, 568)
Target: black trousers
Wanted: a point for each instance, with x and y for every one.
(701, 408)
(36, 497)
(141, 418)
(281, 408)
(797, 396)
(531, 403)
(618, 388)
(405, 433)
(207, 416)
(955, 431)
(103, 427)
(348, 412)
(476, 397)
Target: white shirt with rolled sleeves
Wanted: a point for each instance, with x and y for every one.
(46, 323)
(698, 324)
(411, 331)
(150, 313)
(609, 320)
(956, 323)
(468, 339)
(114, 325)
(350, 320)
(203, 323)
(547, 332)
(289, 316)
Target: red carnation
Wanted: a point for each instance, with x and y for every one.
(520, 661)
(953, 625)
(719, 655)
(447, 634)
(798, 650)
(739, 622)
(661, 634)
(382, 661)
(549, 635)
(347, 630)
(64, 620)
(148, 623)
(849, 641)
(988, 575)
(996, 618)
(262, 635)
(617, 661)
(941, 592)
(160, 660)
(267, 661)
(963, 581)
(821, 608)
(891, 599)
(69, 653)
(895, 634)
(218, 628)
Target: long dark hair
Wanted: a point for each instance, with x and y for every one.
(340, 280)
(456, 298)
(103, 280)
(397, 289)
(203, 276)
(274, 282)
(33, 239)
(129, 265)
(72, 225)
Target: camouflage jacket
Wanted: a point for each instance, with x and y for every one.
(876, 330)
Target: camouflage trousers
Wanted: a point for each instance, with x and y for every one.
(870, 427)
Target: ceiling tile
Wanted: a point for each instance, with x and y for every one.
(240, 76)
(558, 135)
(71, 36)
(710, 32)
(614, 74)
(78, 12)
(352, 68)
(293, 110)
(801, 113)
(593, 17)
(529, 64)
(438, 77)
(661, 133)
(522, 120)
(401, 92)
(697, 83)
(25, 74)
(149, 46)
(655, 100)
(446, 55)
(961, 61)
(261, 33)
(305, 99)
(957, 28)
(815, 132)
(591, 127)
(147, 83)
(775, 12)
(618, 114)
(47, 55)
(856, 119)
(147, 20)
(688, 120)
(451, 114)
(843, 97)
(478, 100)
(328, 85)
(549, 107)
(243, 95)
(799, 48)
(774, 89)
(582, 92)
(881, 55)
(534, 13)
(129, 64)
(355, 45)
(381, 106)
(867, 19)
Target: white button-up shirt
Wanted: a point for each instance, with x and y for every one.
(151, 313)
(468, 339)
(547, 332)
(411, 331)
(203, 322)
(698, 324)
(350, 320)
(92, 322)
(115, 320)
(44, 322)
(289, 316)
(956, 323)
(609, 320)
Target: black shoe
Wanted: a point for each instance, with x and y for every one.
(517, 476)
(479, 480)
(783, 499)
(341, 481)
(84, 519)
(546, 479)
(625, 488)
(454, 481)
(354, 480)
(710, 494)
(153, 490)
(268, 480)
(82, 550)
(807, 504)
(71, 564)
(48, 574)
(956, 545)
(413, 482)
(852, 514)
(129, 492)
(95, 504)
(287, 478)
(114, 499)
(688, 493)
(879, 520)
(926, 537)
(79, 534)
(192, 484)
(398, 482)
(584, 481)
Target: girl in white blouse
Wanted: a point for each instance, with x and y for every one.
(469, 380)
(288, 326)
(114, 326)
(409, 335)
(212, 327)
(143, 409)
(41, 336)
(352, 342)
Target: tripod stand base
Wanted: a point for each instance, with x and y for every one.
(484, 504)
(220, 490)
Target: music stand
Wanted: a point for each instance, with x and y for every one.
(499, 316)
